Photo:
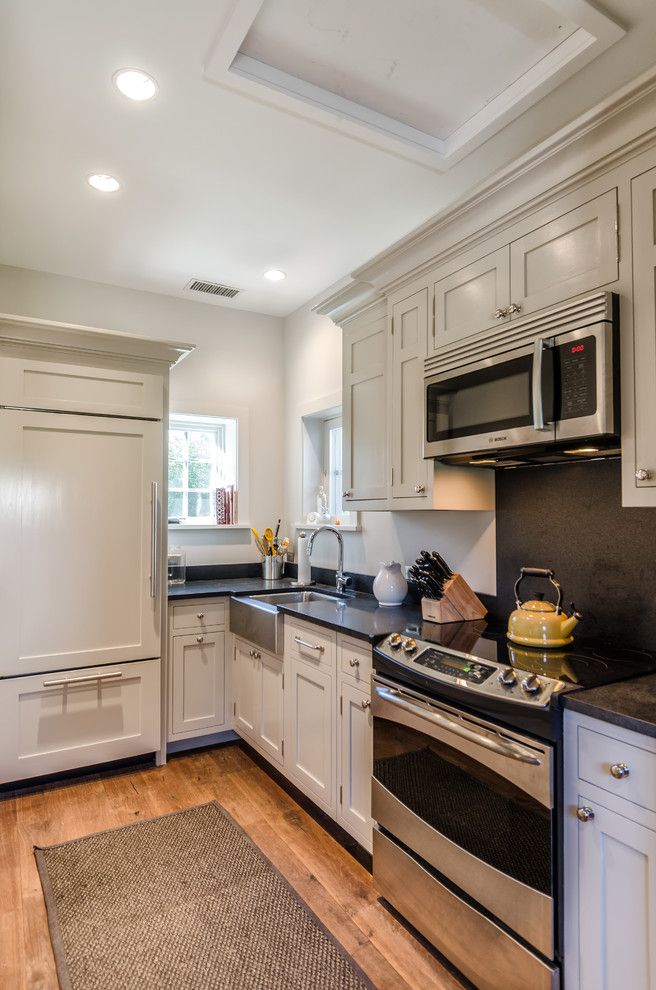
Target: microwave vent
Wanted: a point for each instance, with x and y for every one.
(212, 288)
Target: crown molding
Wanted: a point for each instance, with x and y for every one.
(346, 302)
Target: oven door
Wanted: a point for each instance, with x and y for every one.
(472, 800)
(501, 402)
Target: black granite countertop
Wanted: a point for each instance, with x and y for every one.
(357, 615)
(630, 704)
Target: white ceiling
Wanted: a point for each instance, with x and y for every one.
(220, 184)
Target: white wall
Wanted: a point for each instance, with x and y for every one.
(313, 362)
(238, 362)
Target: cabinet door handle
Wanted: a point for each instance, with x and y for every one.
(514, 308)
(365, 703)
(200, 615)
(642, 474)
(500, 314)
(154, 540)
(420, 489)
(84, 679)
(619, 771)
(585, 814)
(354, 662)
(309, 646)
(346, 494)
(200, 639)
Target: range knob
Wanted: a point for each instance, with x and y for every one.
(532, 684)
(395, 640)
(410, 646)
(508, 677)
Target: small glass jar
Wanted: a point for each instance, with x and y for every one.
(177, 565)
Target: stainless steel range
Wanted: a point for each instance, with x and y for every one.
(465, 793)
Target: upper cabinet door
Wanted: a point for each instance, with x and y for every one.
(33, 384)
(473, 299)
(78, 531)
(643, 195)
(408, 350)
(574, 253)
(365, 460)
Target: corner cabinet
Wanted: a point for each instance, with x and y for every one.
(610, 857)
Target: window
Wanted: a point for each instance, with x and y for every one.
(332, 464)
(202, 458)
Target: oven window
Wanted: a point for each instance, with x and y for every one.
(493, 398)
(471, 805)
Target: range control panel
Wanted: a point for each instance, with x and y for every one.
(470, 672)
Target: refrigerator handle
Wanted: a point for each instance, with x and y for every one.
(154, 540)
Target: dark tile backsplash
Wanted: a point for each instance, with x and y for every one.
(570, 518)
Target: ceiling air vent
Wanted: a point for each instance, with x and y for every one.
(212, 288)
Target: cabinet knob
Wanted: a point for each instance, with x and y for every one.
(365, 703)
(642, 474)
(200, 639)
(354, 662)
(420, 489)
(347, 494)
(500, 314)
(200, 615)
(619, 771)
(514, 308)
(585, 814)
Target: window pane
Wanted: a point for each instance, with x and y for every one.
(200, 505)
(202, 445)
(200, 474)
(175, 504)
(176, 474)
(177, 445)
(335, 471)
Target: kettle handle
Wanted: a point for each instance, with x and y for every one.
(544, 572)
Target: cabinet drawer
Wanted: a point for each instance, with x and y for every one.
(75, 718)
(80, 388)
(310, 642)
(600, 757)
(354, 660)
(198, 615)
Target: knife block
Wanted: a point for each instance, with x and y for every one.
(457, 604)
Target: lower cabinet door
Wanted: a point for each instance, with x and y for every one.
(197, 684)
(310, 718)
(245, 690)
(617, 902)
(76, 718)
(270, 724)
(355, 763)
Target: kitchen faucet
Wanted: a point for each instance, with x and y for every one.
(341, 580)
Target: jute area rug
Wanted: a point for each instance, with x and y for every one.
(183, 902)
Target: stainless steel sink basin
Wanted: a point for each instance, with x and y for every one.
(258, 619)
(292, 597)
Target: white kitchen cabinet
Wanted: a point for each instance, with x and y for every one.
(474, 298)
(310, 752)
(366, 469)
(258, 692)
(77, 718)
(197, 684)
(610, 857)
(643, 202)
(79, 530)
(566, 256)
(355, 762)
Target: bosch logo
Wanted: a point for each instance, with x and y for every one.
(578, 348)
(497, 439)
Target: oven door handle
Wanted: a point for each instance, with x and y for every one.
(510, 749)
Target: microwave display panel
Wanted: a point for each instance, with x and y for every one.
(576, 364)
(492, 398)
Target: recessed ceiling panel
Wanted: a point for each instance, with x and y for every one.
(428, 78)
(431, 64)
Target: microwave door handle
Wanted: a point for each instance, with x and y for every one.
(537, 397)
(512, 750)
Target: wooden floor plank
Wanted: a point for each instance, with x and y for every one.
(333, 884)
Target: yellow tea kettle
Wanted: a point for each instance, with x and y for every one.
(538, 623)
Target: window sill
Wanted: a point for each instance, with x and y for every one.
(176, 527)
(342, 527)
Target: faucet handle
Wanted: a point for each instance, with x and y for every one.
(343, 581)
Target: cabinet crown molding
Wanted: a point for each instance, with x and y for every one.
(82, 340)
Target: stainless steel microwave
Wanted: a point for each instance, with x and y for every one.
(546, 400)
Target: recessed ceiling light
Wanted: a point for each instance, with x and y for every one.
(583, 450)
(135, 84)
(275, 275)
(104, 183)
